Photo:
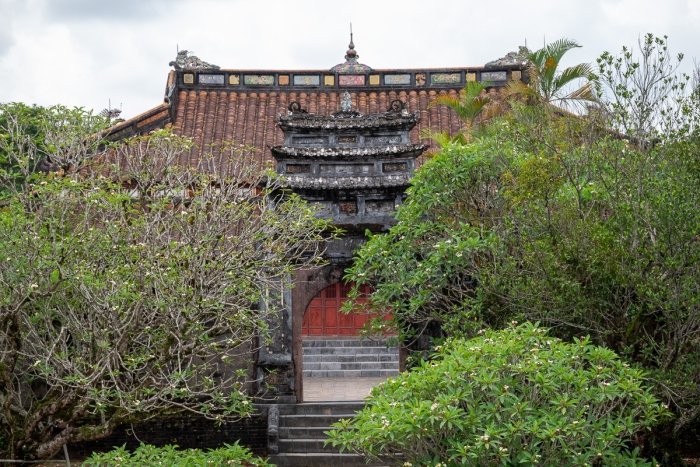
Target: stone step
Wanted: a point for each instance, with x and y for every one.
(337, 408)
(307, 445)
(351, 366)
(350, 351)
(342, 343)
(311, 421)
(320, 459)
(350, 358)
(350, 373)
(304, 432)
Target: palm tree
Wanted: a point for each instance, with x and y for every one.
(546, 83)
(471, 103)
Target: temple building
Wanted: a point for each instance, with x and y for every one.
(346, 138)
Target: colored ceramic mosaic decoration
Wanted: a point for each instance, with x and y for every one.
(329, 80)
(420, 79)
(446, 78)
(262, 80)
(351, 65)
(493, 76)
(188, 78)
(283, 80)
(211, 79)
(374, 80)
(234, 80)
(397, 79)
(351, 80)
(471, 77)
(307, 80)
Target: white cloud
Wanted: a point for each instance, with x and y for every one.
(83, 52)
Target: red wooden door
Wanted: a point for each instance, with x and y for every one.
(323, 316)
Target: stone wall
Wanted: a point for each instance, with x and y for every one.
(186, 432)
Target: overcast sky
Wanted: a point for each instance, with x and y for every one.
(85, 52)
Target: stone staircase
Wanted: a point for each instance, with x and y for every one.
(344, 358)
(301, 435)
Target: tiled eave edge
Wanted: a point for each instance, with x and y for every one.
(359, 181)
(156, 118)
(394, 151)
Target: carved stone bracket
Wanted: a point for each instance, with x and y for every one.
(273, 422)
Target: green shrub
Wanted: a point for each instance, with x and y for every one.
(512, 397)
(150, 456)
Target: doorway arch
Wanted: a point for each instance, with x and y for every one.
(324, 318)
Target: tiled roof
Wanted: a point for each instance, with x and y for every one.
(215, 106)
(251, 117)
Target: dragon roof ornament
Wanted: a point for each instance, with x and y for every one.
(185, 60)
(511, 58)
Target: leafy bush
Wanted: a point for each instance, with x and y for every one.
(148, 456)
(510, 397)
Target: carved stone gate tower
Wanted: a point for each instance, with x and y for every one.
(356, 168)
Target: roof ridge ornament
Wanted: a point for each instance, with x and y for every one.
(185, 60)
(511, 58)
(351, 64)
(346, 103)
(346, 110)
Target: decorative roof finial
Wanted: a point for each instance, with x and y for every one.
(346, 103)
(351, 54)
(351, 64)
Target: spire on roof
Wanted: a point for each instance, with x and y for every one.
(351, 54)
(351, 64)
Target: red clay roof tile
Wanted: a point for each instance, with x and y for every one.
(214, 117)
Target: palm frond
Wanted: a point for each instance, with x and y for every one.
(557, 49)
(584, 93)
(469, 104)
(518, 89)
(442, 138)
(580, 71)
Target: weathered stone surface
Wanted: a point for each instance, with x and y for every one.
(398, 150)
(331, 123)
(368, 181)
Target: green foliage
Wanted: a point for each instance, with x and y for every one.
(149, 456)
(553, 218)
(548, 84)
(32, 136)
(644, 95)
(472, 103)
(132, 286)
(420, 269)
(515, 397)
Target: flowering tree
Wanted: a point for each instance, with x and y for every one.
(514, 398)
(130, 285)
